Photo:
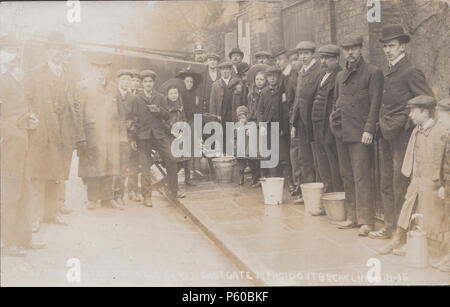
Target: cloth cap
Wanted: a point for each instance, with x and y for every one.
(121, 72)
(352, 41)
(213, 56)
(262, 53)
(330, 50)
(148, 73)
(422, 101)
(225, 64)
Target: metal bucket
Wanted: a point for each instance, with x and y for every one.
(416, 246)
(334, 206)
(311, 195)
(224, 168)
(272, 190)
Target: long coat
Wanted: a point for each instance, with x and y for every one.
(207, 90)
(323, 106)
(14, 149)
(358, 93)
(52, 143)
(99, 116)
(304, 95)
(125, 105)
(401, 83)
(422, 163)
(217, 93)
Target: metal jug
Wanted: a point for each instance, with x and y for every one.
(416, 246)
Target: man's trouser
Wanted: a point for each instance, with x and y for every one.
(327, 161)
(302, 158)
(133, 172)
(393, 184)
(119, 181)
(100, 188)
(15, 212)
(162, 146)
(45, 198)
(355, 162)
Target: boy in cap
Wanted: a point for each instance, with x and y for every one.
(236, 56)
(324, 142)
(262, 57)
(302, 157)
(402, 81)
(422, 164)
(358, 93)
(242, 162)
(150, 111)
(226, 96)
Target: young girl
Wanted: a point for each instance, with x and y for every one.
(176, 114)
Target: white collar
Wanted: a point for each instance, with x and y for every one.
(148, 94)
(226, 80)
(426, 125)
(392, 63)
(213, 73)
(305, 69)
(287, 69)
(54, 68)
(122, 91)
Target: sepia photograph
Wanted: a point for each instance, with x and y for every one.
(226, 144)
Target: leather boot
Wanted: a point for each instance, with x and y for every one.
(398, 241)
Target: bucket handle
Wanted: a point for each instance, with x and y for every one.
(413, 217)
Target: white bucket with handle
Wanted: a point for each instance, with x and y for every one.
(416, 246)
(272, 190)
(312, 193)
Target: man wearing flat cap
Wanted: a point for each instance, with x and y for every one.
(422, 164)
(262, 57)
(358, 94)
(289, 83)
(99, 146)
(212, 60)
(124, 100)
(150, 111)
(236, 56)
(324, 141)
(301, 132)
(16, 123)
(50, 90)
(402, 81)
(226, 97)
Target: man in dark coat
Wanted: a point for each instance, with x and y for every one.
(358, 90)
(324, 142)
(236, 56)
(302, 157)
(50, 92)
(288, 84)
(16, 121)
(99, 147)
(225, 98)
(212, 76)
(402, 82)
(125, 103)
(150, 110)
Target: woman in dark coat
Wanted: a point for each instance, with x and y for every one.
(191, 105)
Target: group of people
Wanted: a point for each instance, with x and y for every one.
(328, 118)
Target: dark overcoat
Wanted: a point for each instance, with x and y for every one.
(323, 106)
(304, 95)
(52, 143)
(401, 83)
(217, 93)
(99, 117)
(358, 93)
(150, 124)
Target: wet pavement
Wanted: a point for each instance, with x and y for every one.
(139, 246)
(284, 245)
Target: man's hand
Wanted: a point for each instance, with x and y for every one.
(153, 108)
(292, 132)
(441, 193)
(367, 138)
